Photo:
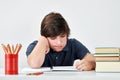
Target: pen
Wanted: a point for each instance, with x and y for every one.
(35, 73)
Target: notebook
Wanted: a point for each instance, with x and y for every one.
(46, 69)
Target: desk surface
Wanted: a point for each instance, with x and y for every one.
(62, 75)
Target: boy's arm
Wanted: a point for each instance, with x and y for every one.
(87, 63)
(37, 56)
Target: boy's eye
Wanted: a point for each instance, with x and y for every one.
(62, 36)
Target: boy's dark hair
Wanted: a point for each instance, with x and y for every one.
(53, 25)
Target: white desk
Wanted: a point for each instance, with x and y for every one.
(85, 75)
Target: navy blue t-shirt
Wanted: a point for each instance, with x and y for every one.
(72, 51)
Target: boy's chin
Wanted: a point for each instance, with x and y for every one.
(58, 50)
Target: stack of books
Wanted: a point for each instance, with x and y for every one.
(107, 59)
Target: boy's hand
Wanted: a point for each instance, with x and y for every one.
(47, 47)
(82, 65)
(45, 42)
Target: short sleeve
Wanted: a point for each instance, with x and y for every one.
(31, 47)
(80, 49)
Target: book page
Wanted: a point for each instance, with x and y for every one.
(47, 69)
(31, 70)
(64, 68)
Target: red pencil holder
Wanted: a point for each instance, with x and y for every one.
(11, 64)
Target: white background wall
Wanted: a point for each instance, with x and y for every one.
(93, 22)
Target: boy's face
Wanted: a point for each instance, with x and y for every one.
(57, 43)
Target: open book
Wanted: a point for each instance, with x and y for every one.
(47, 69)
(64, 68)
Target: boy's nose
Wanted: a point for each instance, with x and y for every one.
(59, 41)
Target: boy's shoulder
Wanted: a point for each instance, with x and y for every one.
(34, 42)
(72, 40)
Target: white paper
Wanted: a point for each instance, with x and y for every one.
(46, 69)
(64, 68)
(31, 70)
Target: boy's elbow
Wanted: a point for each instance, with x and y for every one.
(33, 64)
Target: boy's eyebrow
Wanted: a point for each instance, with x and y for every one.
(63, 34)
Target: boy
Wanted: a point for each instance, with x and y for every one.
(54, 48)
